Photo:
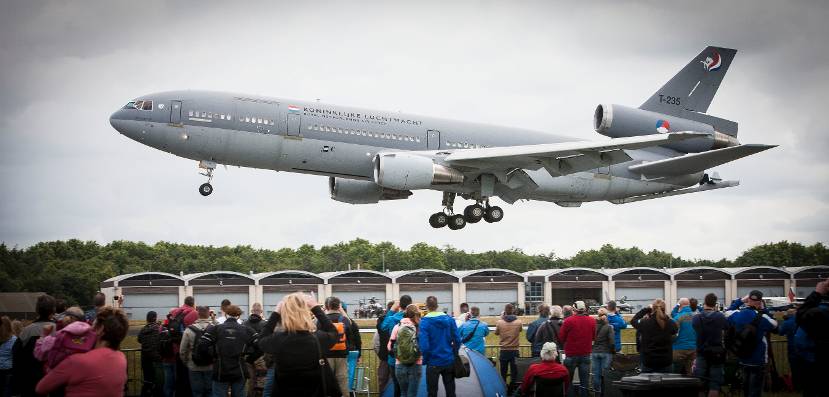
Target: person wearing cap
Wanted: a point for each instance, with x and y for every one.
(150, 338)
(508, 328)
(577, 334)
(618, 322)
(753, 367)
(548, 368)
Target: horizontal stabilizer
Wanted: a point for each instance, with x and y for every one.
(701, 188)
(697, 162)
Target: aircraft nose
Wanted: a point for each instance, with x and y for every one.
(116, 121)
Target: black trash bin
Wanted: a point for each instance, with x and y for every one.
(654, 384)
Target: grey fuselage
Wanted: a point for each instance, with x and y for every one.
(340, 141)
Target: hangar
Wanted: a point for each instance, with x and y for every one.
(639, 286)
(771, 281)
(210, 288)
(804, 279)
(273, 286)
(352, 286)
(700, 281)
(422, 283)
(491, 289)
(144, 292)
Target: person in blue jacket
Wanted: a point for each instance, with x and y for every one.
(393, 318)
(543, 316)
(789, 329)
(439, 343)
(473, 332)
(685, 344)
(753, 367)
(615, 319)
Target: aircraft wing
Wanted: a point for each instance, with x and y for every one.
(696, 162)
(561, 158)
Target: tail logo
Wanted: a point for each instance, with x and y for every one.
(663, 126)
(712, 62)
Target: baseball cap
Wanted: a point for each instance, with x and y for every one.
(756, 295)
(580, 306)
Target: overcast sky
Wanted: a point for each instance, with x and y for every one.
(66, 66)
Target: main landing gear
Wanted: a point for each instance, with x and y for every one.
(206, 188)
(471, 214)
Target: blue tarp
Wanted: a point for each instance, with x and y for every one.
(484, 380)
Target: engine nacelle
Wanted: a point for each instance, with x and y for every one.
(404, 171)
(362, 192)
(618, 121)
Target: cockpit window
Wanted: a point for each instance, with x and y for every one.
(140, 105)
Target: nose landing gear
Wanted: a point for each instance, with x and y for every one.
(471, 214)
(206, 188)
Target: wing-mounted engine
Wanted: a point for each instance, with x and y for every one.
(404, 171)
(618, 121)
(362, 192)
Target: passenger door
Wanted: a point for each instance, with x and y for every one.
(175, 112)
(432, 140)
(293, 124)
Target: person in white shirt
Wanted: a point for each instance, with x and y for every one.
(464, 316)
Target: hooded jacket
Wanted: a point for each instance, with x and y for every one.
(392, 319)
(618, 323)
(476, 341)
(439, 340)
(604, 342)
(508, 328)
(687, 338)
(739, 318)
(532, 329)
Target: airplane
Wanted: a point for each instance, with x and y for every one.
(660, 149)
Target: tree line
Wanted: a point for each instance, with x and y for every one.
(73, 269)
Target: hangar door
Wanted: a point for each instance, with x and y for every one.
(444, 297)
(768, 290)
(491, 301)
(352, 298)
(638, 297)
(214, 300)
(699, 293)
(137, 305)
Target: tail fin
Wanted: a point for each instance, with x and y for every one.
(693, 88)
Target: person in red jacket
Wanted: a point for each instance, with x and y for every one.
(577, 334)
(548, 368)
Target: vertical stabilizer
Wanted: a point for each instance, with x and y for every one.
(694, 87)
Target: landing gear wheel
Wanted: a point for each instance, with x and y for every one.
(438, 220)
(205, 189)
(457, 222)
(473, 213)
(493, 214)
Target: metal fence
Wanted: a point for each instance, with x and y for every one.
(366, 374)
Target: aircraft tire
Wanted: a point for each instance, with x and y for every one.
(474, 213)
(457, 222)
(205, 189)
(493, 214)
(438, 220)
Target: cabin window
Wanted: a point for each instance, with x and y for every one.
(147, 105)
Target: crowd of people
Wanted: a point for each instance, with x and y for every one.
(309, 348)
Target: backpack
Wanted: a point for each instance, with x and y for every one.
(405, 347)
(176, 327)
(165, 343)
(202, 352)
(342, 337)
(230, 341)
(67, 344)
(743, 342)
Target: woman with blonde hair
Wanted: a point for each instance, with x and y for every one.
(298, 346)
(657, 331)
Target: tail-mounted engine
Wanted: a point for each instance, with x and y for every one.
(618, 121)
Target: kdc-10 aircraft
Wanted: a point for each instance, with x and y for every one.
(660, 149)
